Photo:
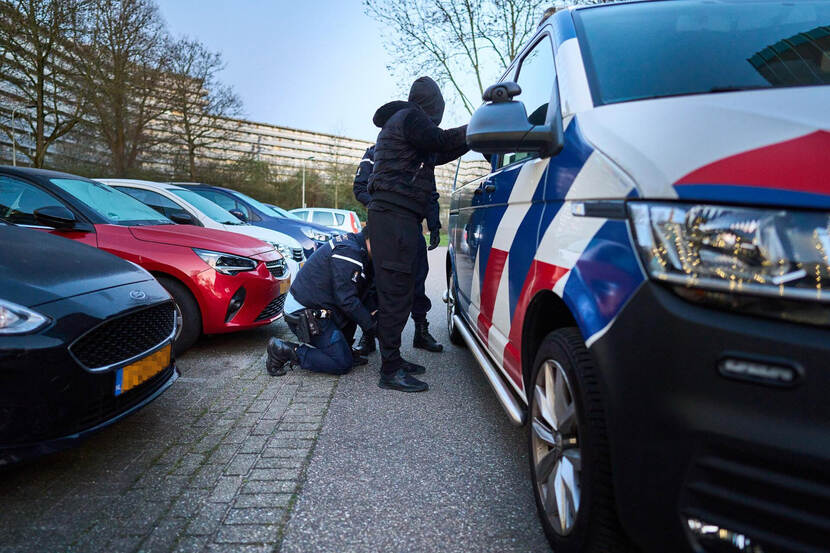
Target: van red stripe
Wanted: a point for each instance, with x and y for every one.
(490, 289)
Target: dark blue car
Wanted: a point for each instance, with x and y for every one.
(310, 235)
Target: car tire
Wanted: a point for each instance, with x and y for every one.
(575, 501)
(189, 317)
(455, 334)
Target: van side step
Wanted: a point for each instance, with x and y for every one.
(508, 401)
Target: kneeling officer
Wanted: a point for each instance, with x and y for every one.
(324, 306)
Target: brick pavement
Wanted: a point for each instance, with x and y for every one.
(215, 464)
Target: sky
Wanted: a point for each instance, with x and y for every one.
(315, 65)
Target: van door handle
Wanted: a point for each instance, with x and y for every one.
(489, 188)
(477, 191)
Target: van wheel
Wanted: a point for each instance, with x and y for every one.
(569, 459)
(188, 316)
(455, 335)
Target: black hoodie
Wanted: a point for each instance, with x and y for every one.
(409, 146)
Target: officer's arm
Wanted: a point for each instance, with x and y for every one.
(446, 157)
(361, 179)
(426, 136)
(343, 269)
(433, 215)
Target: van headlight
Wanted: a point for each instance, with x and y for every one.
(771, 262)
(226, 263)
(16, 319)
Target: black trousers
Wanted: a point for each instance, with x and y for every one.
(420, 302)
(394, 235)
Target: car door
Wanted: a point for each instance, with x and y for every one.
(515, 211)
(19, 199)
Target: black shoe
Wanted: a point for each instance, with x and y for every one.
(424, 340)
(366, 345)
(358, 360)
(280, 355)
(402, 382)
(413, 369)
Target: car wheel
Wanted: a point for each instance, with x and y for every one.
(188, 316)
(455, 335)
(569, 457)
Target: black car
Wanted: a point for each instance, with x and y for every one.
(85, 339)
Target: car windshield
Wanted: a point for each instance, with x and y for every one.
(656, 49)
(257, 204)
(116, 207)
(212, 210)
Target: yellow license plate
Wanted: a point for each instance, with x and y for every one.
(285, 285)
(141, 371)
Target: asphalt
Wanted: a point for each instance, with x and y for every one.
(436, 471)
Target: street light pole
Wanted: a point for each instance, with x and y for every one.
(307, 159)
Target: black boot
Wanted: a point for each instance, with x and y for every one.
(358, 360)
(402, 382)
(423, 339)
(413, 369)
(280, 355)
(366, 345)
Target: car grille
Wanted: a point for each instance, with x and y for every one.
(779, 503)
(272, 309)
(278, 268)
(121, 339)
(297, 253)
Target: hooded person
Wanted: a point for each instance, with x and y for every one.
(402, 188)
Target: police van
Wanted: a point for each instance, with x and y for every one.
(644, 272)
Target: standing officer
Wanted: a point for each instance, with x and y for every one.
(420, 302)
(324, 306)
(402, 186)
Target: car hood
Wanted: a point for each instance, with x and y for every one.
(264, 234)
(762, 146)
(38, 268)
(204, 238)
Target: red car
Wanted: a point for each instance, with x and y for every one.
(220, 281)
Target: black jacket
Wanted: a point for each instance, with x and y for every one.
(336, 277)
(410, 145)
(361, 190)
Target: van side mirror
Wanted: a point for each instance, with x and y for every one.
(502, 126)
(239, 215)
(55, 216)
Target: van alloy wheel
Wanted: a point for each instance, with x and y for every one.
(557, 457)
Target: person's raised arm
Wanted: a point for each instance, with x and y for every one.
(426, 136)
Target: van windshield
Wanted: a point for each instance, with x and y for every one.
(656, 49)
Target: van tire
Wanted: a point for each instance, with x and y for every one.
(596, 527)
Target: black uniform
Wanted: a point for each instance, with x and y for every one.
(402, 187)
(335, 278)
(420, 301)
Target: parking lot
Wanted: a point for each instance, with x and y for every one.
(230, 459)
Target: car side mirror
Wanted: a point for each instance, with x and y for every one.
(182, 218)
(239, 215)
(502, 126)
(55, 216)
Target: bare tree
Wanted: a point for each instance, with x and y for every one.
(39, 71)
(466, 43)
(201, 106)
(123, 63)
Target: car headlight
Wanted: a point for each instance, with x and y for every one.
(315, 234)
(771, 262)
(16, 319)
(226, 263)
(286, 251)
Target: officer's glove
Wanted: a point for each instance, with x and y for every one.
(434, 239)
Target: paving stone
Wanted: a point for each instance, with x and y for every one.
(240, 464)
(164, 535)
(190, 544)
(269, 486)
(244, 501)
(280, 463)
(264, 427)
(254, 515)
(251, 533)
(274, 474)
(293, 453)
(188, 503)
(206, 476)
(222, 454)
(226, 487)
(253, 444)
(208, 519)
